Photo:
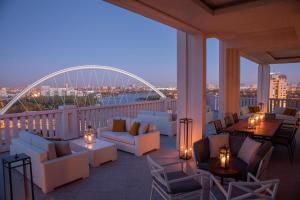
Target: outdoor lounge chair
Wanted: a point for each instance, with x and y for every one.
(177, 184)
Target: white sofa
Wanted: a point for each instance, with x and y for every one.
(279, 111)
(163, 121)
(137, 145)
(48, 170)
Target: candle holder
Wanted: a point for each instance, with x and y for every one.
(224, 155)
(251, 122)
(89, 135)
(185, 138)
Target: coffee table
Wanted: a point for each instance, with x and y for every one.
(230, 172)
(99, 152)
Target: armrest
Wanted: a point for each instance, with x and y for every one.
(101, 130)
(82, 155)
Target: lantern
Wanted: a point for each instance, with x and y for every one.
(89, 135)
(251, 122)
(185, 138)
(261, 117)
(224, 155)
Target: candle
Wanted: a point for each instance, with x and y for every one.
(223, 161)
(90, 138)
(261, 117)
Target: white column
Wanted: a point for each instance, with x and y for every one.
(229, 80)
(191, 80)
(68, 127)
(263, 85)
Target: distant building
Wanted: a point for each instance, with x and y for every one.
(45, 90)
(3, 92)
(278, 86)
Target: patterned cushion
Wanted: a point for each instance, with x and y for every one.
(248, 150)
(134, 130)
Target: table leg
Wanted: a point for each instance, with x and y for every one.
(31, 180)
(3, 168)
(10, 182)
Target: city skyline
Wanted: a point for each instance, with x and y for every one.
(38, 41)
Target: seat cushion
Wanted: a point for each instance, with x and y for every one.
(123, 137)
(216, 142)
(248, 150)
(218, 194)
(188, 185)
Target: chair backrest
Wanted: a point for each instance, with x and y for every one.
(253, 190)
(227, 121)
(235, 117)
(158, 173)
(263, 164)
(218, 126)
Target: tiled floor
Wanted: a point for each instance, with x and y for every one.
(128, 178)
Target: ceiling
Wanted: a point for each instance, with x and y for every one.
(265, 31)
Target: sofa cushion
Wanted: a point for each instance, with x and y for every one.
(248, 150)
(144, 127)
(166, 115)
(123, 137)
(62, 148)
(25, 136)
(216, 142)
(42, 143)
(119, 125)
(134, 129)
(235, 143)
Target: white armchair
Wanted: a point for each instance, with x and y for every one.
(50, 172)
(252, 189)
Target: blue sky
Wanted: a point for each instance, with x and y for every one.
(38, 37)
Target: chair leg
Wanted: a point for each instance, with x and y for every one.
(290, 152)
(151, 193)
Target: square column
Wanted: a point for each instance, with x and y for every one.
(229, 80)
(263, 85)
(191, 81)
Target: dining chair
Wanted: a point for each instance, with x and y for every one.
(228, 121)
(235, 118)
(218, 126)
(286, 136)
(264, 162)
(253, 188)
(176, 184)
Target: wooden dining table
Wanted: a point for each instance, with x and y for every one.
(264, 129)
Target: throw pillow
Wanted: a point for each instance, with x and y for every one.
(119, 125)
(290, 111)
(62, 148)
(134, 130)
(216, 142)
(144, 127)
(248, 150)
(152, 127)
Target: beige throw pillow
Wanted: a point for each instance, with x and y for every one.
(216, 142)
(248, 150)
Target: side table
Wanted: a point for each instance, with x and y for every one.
(12, 162)
(230, 172)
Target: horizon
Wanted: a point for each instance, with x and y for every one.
(40, 37)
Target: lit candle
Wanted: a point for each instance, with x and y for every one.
(185, 153)
(223, 161)
(90, 138)
(261, 117)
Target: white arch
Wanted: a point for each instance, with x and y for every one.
(82, 67)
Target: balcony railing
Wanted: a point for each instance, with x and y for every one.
(213, 101)
(273, 103)
(69, 121)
